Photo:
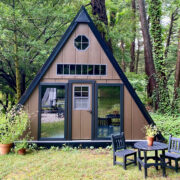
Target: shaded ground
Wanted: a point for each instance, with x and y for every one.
(72, 164)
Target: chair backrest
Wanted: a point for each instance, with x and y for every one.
(174, 144)
(118, 141)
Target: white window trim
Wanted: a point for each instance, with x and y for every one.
(81, 49)
(89, 90)
(81, 70)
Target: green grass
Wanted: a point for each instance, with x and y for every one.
(74, 164)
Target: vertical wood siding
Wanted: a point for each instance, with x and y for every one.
(134, 121)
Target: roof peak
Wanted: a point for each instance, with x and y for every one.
(82, 16)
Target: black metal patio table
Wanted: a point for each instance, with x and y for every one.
(159, 161)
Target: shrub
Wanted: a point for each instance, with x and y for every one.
(13, 124)
(167, 124)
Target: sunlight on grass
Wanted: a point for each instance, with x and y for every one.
(72, 164)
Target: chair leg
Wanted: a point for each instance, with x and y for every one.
(170, 164)
(124, 162)
(135, 159)
(176, 165)
(114, 160)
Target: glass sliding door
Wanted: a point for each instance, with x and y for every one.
(52, 111)
(108, 110)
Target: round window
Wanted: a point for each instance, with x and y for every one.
(81, 42)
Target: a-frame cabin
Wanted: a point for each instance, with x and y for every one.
(81, 95)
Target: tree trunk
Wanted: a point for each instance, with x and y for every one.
(137, 58)
(149, 63)
(173, 18)
(16, 62)
(99, 8)
(177, 73)
(23, 81)
(156, 33)
(132, 63)
(123, 63)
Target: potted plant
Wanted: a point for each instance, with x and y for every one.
(21, 146)
(12, 126)
(151, 131)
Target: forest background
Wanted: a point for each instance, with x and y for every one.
(144, 37)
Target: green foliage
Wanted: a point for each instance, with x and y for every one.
(40, 25)
(151, 130)
(13, 124)
(66, 148)
(21, 145)
(120, 27)
(167, 124)
(139, 83)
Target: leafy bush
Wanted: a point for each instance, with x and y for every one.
(139, 83)
(167, 124)
(13, 124)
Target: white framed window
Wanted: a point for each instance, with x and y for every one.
(81, 42)
(81, 97)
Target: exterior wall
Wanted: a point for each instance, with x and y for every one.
(133, 118)
(134, 121)
(94, 54)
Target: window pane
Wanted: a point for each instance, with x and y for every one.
(90, 69)
(52, 111)
(66, 69)
(84, 94)
(84, 46)
(108, 111)
(84, 39)
(78, 69)
(77, 94)
(81, 98)
(77, 103)
(85, 88)
(84, 69)
(59, 69)
(97, 69)
(72, 69)
(103, 69)
(77, 88)
(78, 45)
(78, 39)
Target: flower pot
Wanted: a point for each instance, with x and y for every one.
(150, 141)
(5, 148)
(22, 151)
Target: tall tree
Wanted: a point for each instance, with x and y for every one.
(177, 72)
(149, 62)
(156, 32)
(16, 60)
(137, 57)
(132, 63)
(99, 9)
(170, 33)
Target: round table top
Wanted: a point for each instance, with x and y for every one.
(142, 145)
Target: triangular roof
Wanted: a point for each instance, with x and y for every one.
(83, 17)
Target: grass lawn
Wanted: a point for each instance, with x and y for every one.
(74, 164)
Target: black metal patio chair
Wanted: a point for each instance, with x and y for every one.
(119, 150)
(173, 152)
